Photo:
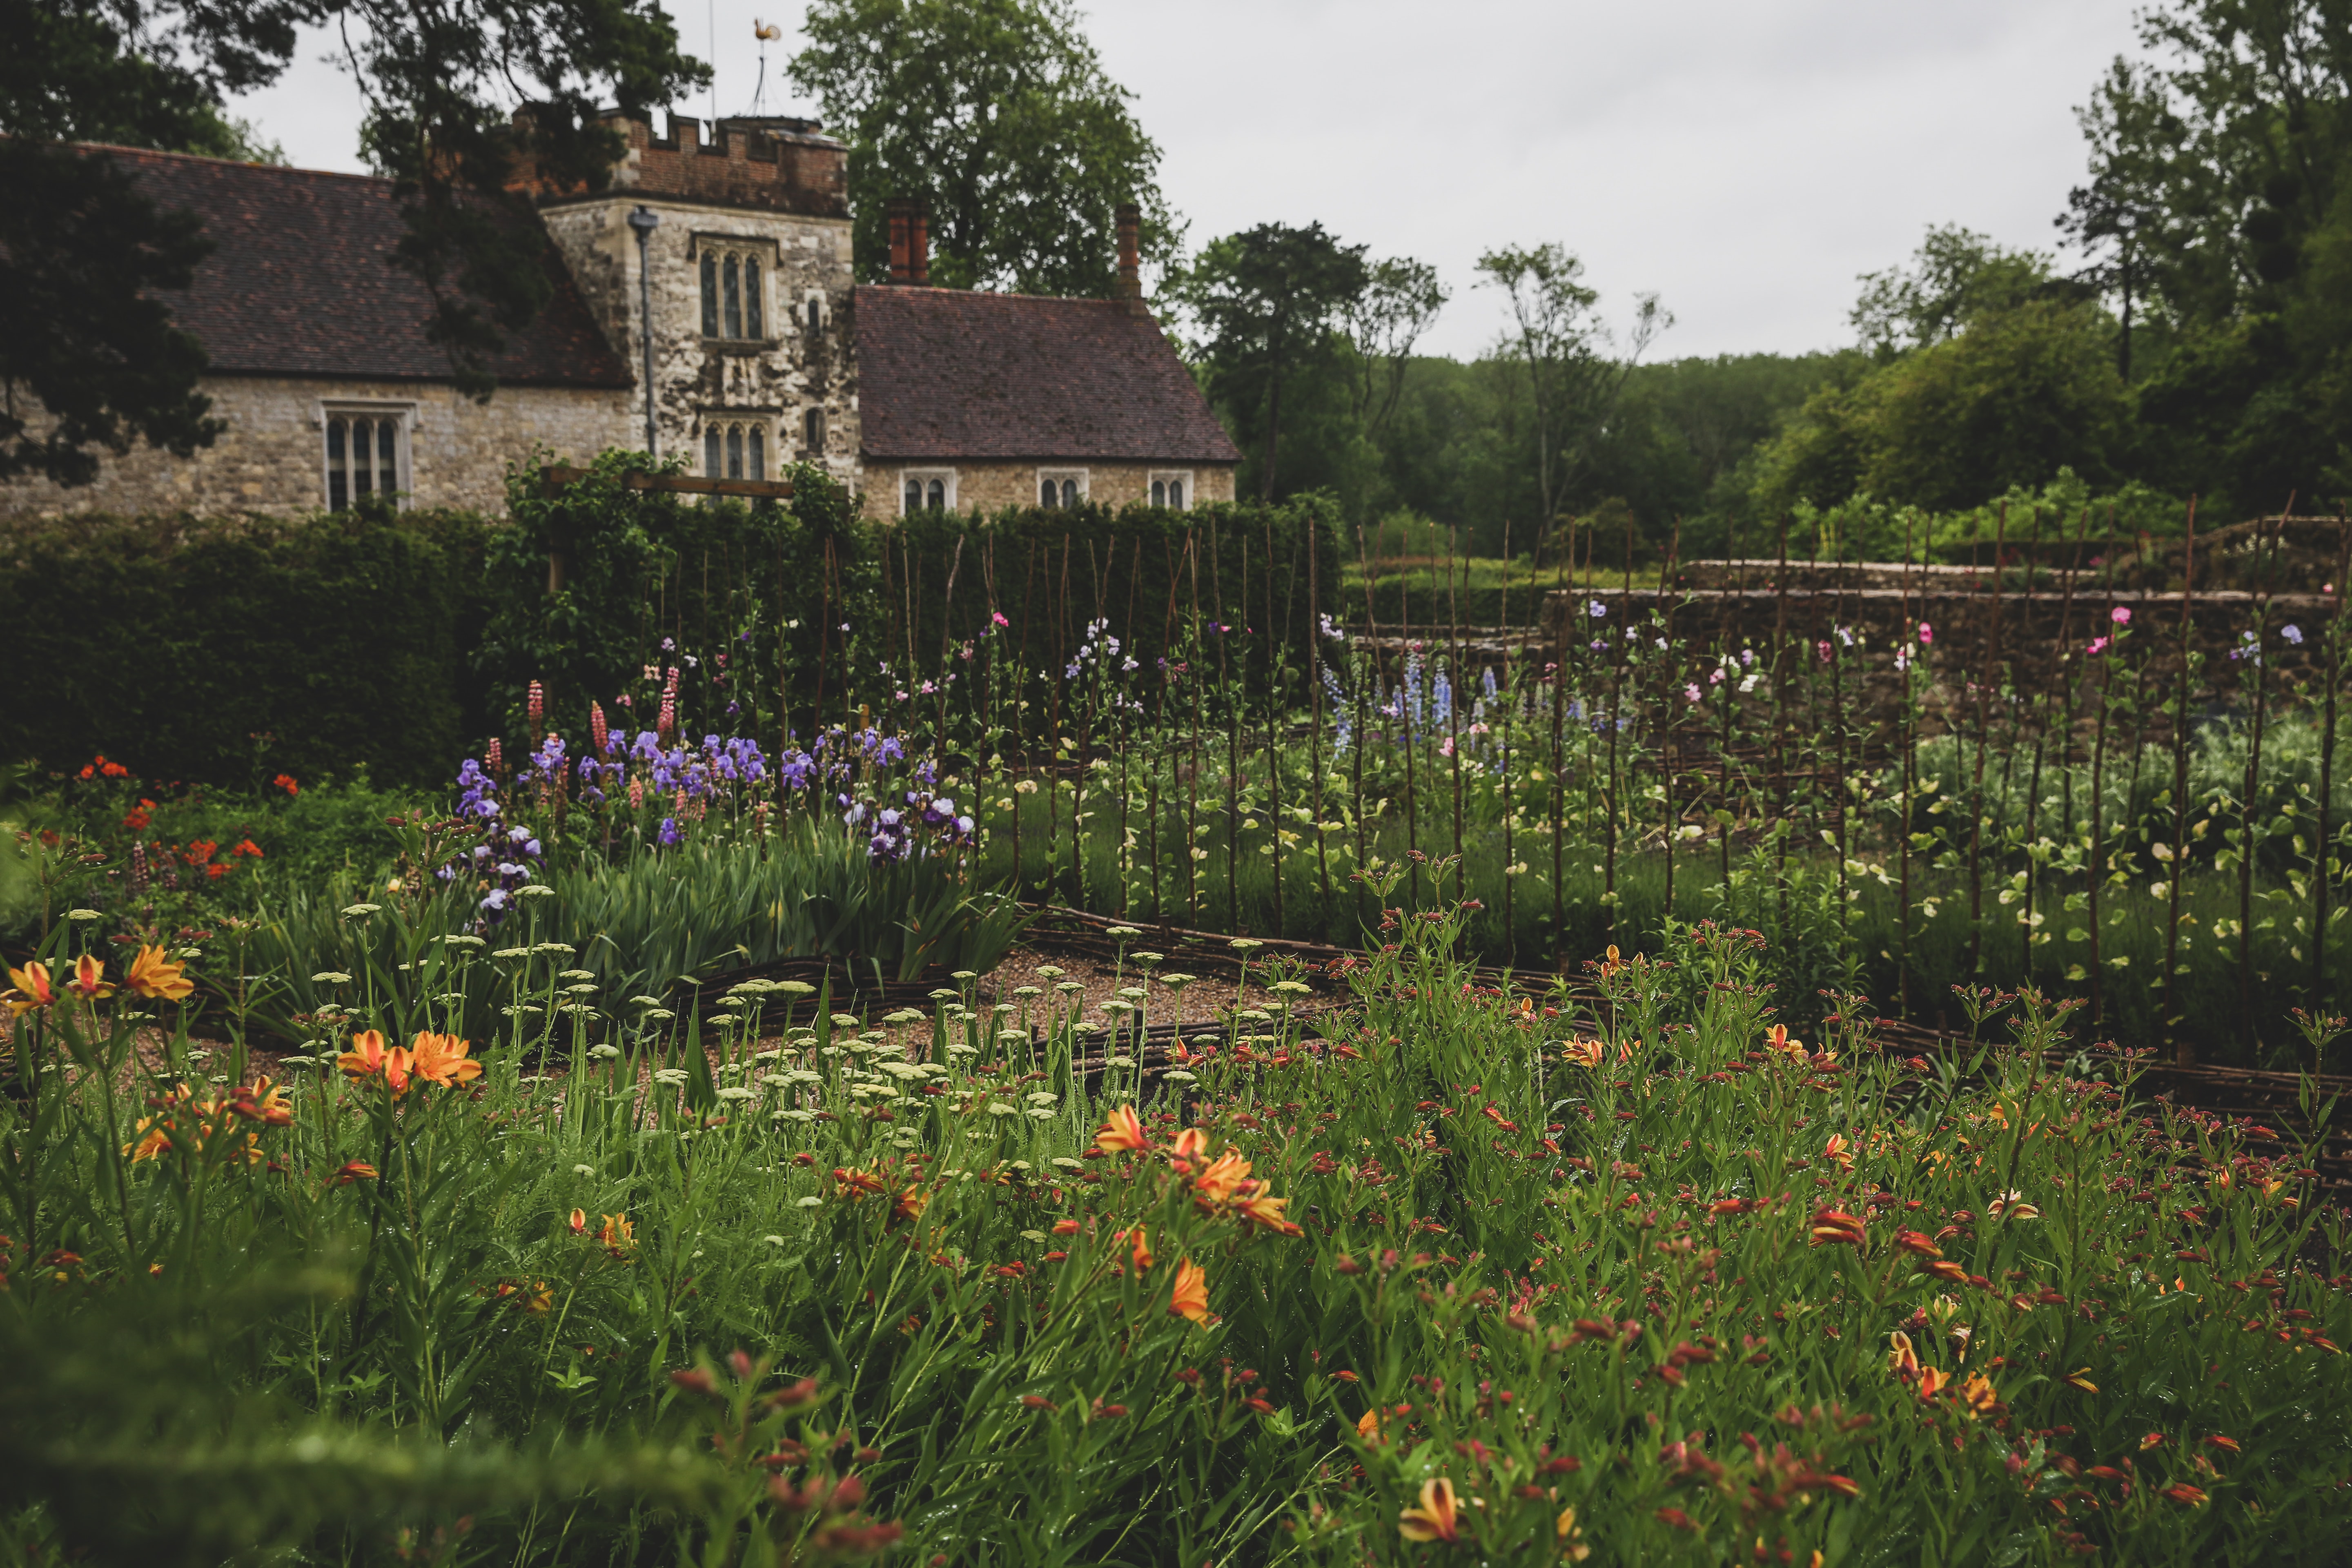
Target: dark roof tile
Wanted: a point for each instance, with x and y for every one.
(299, 282)
(947, 374)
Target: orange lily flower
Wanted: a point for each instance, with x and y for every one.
(1140, 1241)
(2219, 1441)
(911, 1204)
(619, 1237)
(1191, 1297)
(32, 990)
(354, 1171)
(1778, 1039)
(579, 1219)
(1571, 1537)
(89, 979)
(1219, 1181)
(1437, 1518)
(265, 1102)
(2181, 1491)
(1586, 1054)
(1189, 1146)
(1933, 1381)
(2082, 1380)
(154, 975)
(1838, 1152)
(442, 1060)
(155, 1140)
(1977, 1395)
(1122, 1129)
(1903, 1361)
(1835, 1227)
(367, 1058)
(1265, 1209)
(1367, 1425)
(1918, 1241)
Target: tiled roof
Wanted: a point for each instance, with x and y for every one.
(945, 374)
(299, 282)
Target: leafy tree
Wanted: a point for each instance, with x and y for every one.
(2007, 401)
(998, 116)
(1955, 278)
(1401, 298)
(1268, 304)
(88, 360)
(1563, 349)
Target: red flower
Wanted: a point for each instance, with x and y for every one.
(286, 781)
(247, 847)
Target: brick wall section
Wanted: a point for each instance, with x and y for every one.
(777, 165)
(993, 487)
(272, 458)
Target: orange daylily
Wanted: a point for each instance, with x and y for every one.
(1977, 1395)
(89, 980)
(442, 1060)
(263, 1101)
(1220, 1181)
(1835, 1227)
(155, 1140)
(1838, 1152)
(619, 1237)
(1191, 1297)
(1902, 1359)
(911, 1204)
(1933, 1381)
(1586, 1054)
(1122, 1129)
(1778, 1039)
(1189, 1146)
(1437, 1518)
(1140, 1241)
(354, 1171)
(2181, 1491)
(2082, 1380)
(579, 1219)
(1263, 1208)
(32, 990)
(155, 976)
(368, 1058)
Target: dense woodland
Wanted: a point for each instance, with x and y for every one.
(2186, 333)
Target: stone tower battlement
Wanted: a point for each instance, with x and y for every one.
(775, 164)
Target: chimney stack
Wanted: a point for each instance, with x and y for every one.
(902, 212)
(918, 245)
(1131, 261)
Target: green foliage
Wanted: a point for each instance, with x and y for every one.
(998, 117)
(746, 588)
(2017, 395)
(1267, 304)
(233, 649)
(88, 356)
(643, 1291)
(1150, 572)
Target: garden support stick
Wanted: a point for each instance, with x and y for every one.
(2183, 1050)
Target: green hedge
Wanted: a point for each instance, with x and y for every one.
(1265, 571)
(230, 649)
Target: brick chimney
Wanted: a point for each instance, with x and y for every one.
(1131, 261)
(902, 223)
(919, 246)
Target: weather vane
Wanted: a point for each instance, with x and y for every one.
(763, 32)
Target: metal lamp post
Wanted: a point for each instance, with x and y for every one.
(644, 221)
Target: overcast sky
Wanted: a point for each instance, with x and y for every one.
(1743, 160)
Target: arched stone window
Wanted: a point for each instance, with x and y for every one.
(366, 454)
(734, 449)
(734, 292)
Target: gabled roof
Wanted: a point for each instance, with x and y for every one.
(299, 282)
(946, 373)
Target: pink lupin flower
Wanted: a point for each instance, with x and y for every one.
(637, 795)
(535, 705)
(497, 757)
(599, 732)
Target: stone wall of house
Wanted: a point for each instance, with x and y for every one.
(272, 456)
(993, 487)
(773, 197)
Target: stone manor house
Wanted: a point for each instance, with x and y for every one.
(720, 266)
